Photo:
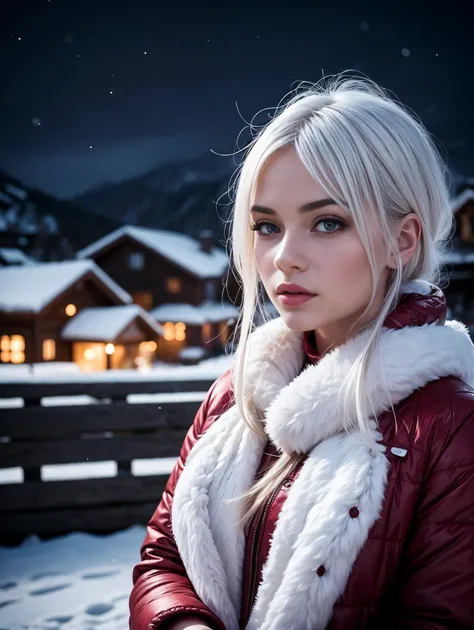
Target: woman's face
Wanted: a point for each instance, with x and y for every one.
(304, 238)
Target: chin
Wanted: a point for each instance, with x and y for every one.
(300, 321)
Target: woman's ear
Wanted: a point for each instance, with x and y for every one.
(408, 235)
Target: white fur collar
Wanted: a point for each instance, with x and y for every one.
(407, 359)
(302, 413)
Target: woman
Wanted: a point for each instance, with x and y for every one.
(328, 479)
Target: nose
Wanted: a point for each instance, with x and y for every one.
(289, 255)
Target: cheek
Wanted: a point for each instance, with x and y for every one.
(348, 268)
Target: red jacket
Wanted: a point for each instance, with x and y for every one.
(416, 569)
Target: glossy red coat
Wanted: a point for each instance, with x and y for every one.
(416, 570)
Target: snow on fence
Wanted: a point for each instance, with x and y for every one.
(111, 428)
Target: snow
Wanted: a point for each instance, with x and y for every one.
(5, 198)
(197, 315)
(17, 192)
(218, 311)
(186, 313)
(106, 322)
(209, 369)
(31, 288)
(183, 250)
(73, 582)
(457, 257)
(13, 256)
(193, 352)
(461, 199)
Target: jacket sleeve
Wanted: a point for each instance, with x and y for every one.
(161, 588)
(437, 585)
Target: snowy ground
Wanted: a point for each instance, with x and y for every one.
(80, 581)
(76, 582)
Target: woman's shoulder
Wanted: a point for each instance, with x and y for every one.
(221, 394)
(439, 421)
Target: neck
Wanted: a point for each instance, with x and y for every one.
(339, 332)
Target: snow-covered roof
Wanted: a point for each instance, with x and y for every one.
(457, 256)
(461, 199)
(106, 323)
(194, 353)
(14, 256)
(31, 288)
(186, 313)
(197, 315)
(183, 250)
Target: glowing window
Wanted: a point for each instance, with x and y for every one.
(180, 331)
(49, 349)
(174, 285)
(12, 349)
(71, 310)
(168, 331)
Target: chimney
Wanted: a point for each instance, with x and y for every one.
(206, 240)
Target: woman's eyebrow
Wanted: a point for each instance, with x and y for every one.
(307, 207)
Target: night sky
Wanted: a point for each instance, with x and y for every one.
(95, 90)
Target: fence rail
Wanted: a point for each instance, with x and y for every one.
(110, 428)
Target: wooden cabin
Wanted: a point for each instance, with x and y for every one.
(71, 311)
(179, 280)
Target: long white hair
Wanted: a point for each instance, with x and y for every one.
(378, 162)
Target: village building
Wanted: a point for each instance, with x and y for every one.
(72, 311)
(14, 256)
(179, 280)
(458, 260)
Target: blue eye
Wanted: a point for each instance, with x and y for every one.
(258, 227)
(331, 225)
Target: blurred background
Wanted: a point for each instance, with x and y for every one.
(120, 123)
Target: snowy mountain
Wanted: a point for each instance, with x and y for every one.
(28, 211)
(179, 196)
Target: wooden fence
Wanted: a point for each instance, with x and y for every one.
(111, 429)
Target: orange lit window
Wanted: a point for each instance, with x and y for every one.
(71, 310)
(147, 347)
(180, 331)
(174, 285)
(206, 332)
(174, 332)
(12, 349)
(143, 299)
(49, 349)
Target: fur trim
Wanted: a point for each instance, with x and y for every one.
(302, 413)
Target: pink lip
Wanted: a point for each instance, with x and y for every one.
(294, 299)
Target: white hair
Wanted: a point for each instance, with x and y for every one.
(378, 162)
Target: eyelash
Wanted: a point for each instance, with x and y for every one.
(256, 227)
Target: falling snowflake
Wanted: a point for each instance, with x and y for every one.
(19, 39)
(110, 92)
(90, 146)
(144, 52)
(35, 121)
(406, 52)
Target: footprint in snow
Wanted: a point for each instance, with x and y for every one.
(6, 586)
(99, 609)
(100, 574)
(49, 589)
(60, 619)
(45, 574)
(7, 602)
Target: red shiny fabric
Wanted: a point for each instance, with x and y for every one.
(416, 569)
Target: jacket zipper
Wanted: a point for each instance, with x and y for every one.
(254, 554)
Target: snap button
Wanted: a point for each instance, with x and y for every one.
(287, 484)
(321, 571)
(354, 512)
